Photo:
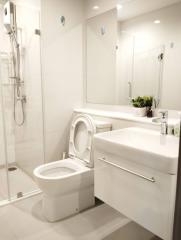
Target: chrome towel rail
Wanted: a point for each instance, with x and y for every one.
(152, 179)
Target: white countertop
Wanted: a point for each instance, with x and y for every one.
(122, 116)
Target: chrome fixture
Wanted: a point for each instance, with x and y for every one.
(9, 18)
(152, 179)
(37, 32)
(103, 30)
(130, 91)
(62, 20)
(164, 122)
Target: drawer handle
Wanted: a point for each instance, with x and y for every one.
(129, 171)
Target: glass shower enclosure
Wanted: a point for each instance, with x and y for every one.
(21, 104)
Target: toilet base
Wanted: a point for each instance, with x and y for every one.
(59, 207)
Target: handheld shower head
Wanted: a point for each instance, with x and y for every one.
(9, 20)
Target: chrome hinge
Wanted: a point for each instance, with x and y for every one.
(37, 32)
(19, 194)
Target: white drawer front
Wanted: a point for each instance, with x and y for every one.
(131, 190)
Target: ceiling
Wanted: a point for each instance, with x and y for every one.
(134, 8)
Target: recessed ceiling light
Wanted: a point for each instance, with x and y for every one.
(96, 7)
(119, 6)
(157, 21)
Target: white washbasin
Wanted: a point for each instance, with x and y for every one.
(142, 146)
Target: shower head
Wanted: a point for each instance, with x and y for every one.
(9, 17)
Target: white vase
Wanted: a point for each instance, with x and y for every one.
(140, 112)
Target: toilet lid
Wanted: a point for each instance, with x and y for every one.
(81, 134)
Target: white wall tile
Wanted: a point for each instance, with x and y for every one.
(62, 55)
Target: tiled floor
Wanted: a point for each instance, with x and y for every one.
(23, 220)
(19, 182)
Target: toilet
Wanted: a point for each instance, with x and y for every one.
(68, 185)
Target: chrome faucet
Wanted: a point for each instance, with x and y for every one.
(164, 122)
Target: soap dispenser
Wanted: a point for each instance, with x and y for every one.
(177, 126)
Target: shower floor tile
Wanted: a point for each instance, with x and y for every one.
(19, 182)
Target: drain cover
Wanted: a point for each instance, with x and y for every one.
(12, 168)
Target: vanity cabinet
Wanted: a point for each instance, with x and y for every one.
(143, 194)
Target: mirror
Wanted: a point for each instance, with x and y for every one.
(135, 50)
(101, 57)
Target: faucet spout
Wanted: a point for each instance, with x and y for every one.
(164, 122)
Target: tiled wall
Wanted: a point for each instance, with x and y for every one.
(62, 57)
(62, 61)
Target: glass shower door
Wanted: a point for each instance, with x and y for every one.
(29, 137)
(23, 144)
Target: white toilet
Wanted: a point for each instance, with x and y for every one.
(68, 185)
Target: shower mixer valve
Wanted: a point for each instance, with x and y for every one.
(22, 98)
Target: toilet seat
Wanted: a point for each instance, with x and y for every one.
(60, 169)
(81, 135)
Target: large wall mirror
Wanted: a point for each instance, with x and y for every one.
(135, 50)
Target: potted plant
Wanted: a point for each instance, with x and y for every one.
(139, 104)
(143, 106)
(148, 104)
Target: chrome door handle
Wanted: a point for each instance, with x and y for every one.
(129, 91)
(152, 179)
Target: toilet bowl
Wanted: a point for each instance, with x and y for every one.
(68, 185)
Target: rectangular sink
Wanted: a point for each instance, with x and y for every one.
(143, 146)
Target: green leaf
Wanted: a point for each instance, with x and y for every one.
(141, 102)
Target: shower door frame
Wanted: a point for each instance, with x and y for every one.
(10, 198)
(4, 134)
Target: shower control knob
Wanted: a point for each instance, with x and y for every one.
(24, 98)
